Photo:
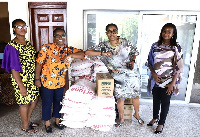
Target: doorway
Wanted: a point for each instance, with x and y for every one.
(44, 18)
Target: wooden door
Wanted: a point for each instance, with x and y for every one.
(45, 17)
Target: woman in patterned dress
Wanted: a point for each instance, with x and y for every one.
(19, 59)
(119, 55)
(165, 61)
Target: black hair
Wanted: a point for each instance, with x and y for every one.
(111, 24)
(57, 29)
(173, 39)
(14, 23)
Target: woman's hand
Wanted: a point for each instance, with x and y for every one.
(170, 88)
(23, 91)
(130, 65)
(67, 59)
(108, 54)
(156, 77)
(38, 84)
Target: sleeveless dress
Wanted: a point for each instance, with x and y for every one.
(22, 58)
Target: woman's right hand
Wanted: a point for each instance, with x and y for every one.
(156, 77)
(23, 91)
(38, 84)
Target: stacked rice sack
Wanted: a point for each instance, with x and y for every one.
(81, 106)
(98, 67)
(81, 69)
(102, 113)
(75, 104)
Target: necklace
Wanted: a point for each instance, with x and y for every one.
(115, 44)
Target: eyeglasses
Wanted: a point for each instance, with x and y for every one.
(20, 27)
(59, 36)
(110, 31)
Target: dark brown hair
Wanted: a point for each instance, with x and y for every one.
(14, 23)
(58, 29)
(173, 39)
(111, 24)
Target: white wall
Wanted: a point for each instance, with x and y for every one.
(75, 8)
(18, 9)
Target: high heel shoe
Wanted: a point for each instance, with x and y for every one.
(158, 132)
(151, 124)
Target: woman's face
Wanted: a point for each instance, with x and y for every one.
(112, 33)
(20, 28)
(59, 38)
(167, 33)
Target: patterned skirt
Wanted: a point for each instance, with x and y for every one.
(127, 83)
(32, 91)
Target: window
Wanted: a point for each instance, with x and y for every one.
(96, 23)
(143, 28)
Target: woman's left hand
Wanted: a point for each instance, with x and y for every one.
(170, 88)
(108, 54)
(67, 59)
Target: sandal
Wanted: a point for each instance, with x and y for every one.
(159, 132)
(119, 124)
(34, 124)
(28, 130)
(151, 124)
(140, 121)
(60, 126)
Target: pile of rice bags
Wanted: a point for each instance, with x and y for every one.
(81, 106)
(81, 69)
(75, 104)
(102, 113)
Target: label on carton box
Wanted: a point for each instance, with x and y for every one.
(105, 84)
(128, 101)
(128, 110)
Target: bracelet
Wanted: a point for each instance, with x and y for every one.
(37, 79)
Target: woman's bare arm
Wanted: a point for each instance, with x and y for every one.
(18, 79)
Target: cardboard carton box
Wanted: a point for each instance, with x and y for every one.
(128, 101)
(104, 84)
(128, 110)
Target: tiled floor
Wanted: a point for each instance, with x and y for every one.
(183, 121)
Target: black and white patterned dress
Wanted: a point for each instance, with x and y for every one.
(127, 82)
